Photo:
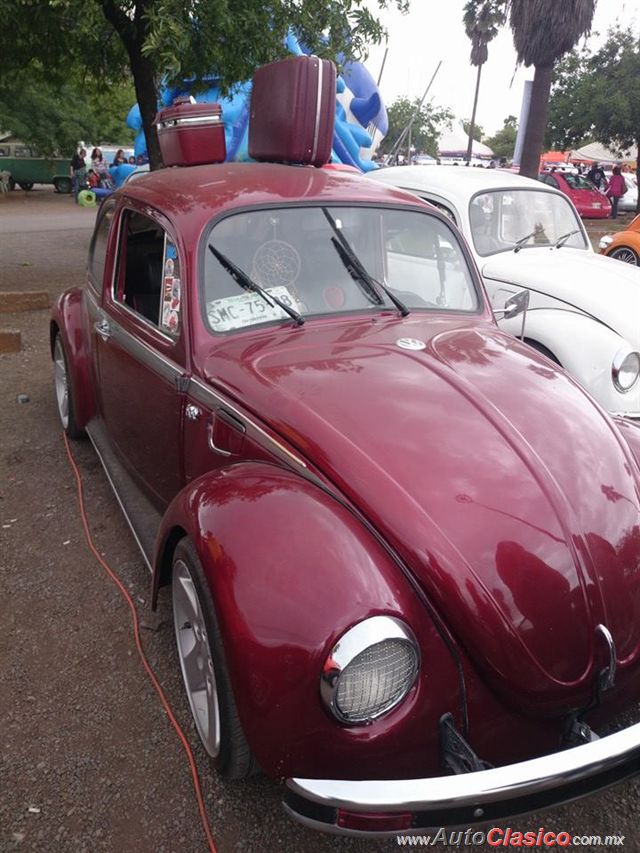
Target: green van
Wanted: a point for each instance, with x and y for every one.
(26, 168)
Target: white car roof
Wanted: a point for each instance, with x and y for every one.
(454, 182)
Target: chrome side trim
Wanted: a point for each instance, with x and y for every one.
(120, 503)
(316, 134)
(192, 121)
(210, 398)
(486, 794)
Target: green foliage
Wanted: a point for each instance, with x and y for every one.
(232, 37)
(503, 144)
(180, 38)
(544, 30)
(596, 96)
(54, 117)
(429, 122)
(482, 20)
(478, 130)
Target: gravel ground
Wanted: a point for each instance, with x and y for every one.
(88, 760)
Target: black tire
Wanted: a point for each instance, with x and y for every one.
(25, 185)
(62, 185)
(541, 348)
(625, 254)
(68, 419)
(234, 759)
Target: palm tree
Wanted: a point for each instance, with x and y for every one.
(543, 31)
(482, 19)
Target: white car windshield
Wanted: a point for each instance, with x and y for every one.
(331, 260)
(503, 219)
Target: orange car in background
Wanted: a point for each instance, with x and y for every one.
(625, 245)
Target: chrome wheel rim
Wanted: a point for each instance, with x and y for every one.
(61, 383)
(196, 661)
(624, 255)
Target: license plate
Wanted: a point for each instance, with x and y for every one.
(247, 309)
(596, 204)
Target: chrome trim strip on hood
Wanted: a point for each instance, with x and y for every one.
(476, 797)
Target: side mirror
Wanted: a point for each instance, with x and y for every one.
(514, 306)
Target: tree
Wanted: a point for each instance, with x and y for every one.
(428, 123)
(543, 31)
(177, 39)
(53, 117)
(477, 133)
(605, 102)
(503, 144)
(482, 20)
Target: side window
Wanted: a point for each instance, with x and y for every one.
(442, 208)
(98, 247)
(148, 278)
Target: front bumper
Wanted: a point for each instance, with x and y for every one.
(387, 807)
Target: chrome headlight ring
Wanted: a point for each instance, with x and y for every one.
(605, 241)
(370, 670)
(625, 369)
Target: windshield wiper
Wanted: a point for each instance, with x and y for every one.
(246, 283)
(562, 240)
(358, 273)
(520, 243)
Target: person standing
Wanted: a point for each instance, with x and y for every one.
(616, 189)
(597, 177)
(78, 171)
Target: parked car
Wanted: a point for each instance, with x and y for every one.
(623, 245)
(524, 234)
(26, 168)
(590, 202)
(397, 536)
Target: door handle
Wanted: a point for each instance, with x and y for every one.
(103, 328)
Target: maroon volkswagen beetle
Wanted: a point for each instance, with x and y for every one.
(404, 547)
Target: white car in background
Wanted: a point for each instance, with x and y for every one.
(629, 200)
(584, 310)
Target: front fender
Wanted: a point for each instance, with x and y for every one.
(290, 570)
(69, 318)
(585, 348)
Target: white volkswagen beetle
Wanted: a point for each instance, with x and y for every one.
(584, 310)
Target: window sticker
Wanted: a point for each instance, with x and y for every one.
(171, 291)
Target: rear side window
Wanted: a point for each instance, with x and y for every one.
(148, 278)
(98, 248)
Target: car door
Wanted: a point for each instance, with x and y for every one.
(140, 343)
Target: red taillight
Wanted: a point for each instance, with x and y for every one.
(374, 821)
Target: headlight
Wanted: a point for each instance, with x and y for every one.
(605, 241)
(370, 670)
(625, 369)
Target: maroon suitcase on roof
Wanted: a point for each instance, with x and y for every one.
(191, 134)
(293, 108)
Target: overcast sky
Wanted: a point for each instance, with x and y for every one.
(433, 31)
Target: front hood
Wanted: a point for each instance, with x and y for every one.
(595, 284)
(513, 499)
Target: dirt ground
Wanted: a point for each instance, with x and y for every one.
(88, 761)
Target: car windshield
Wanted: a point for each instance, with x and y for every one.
(502, 219)
(304, 257)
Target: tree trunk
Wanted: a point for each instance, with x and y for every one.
(472, 124)
(145, 86)
(537, 123)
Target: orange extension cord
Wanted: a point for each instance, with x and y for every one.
(145, 663)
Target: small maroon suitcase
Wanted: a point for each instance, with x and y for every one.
(293, 108)
(191, 134)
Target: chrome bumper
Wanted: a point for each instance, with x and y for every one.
(466, 799)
